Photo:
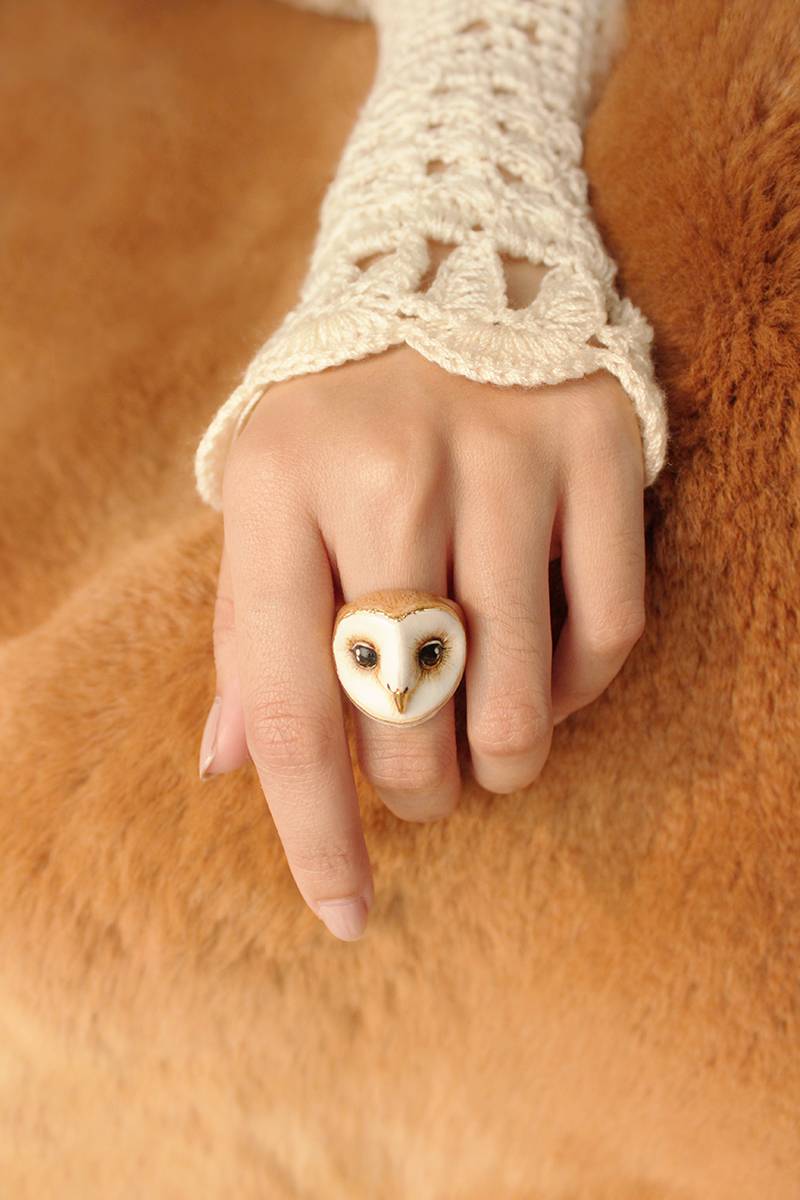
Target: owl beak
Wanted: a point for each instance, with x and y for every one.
(400, 699)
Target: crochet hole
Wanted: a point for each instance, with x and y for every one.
(438, 252)
(475, 27)
(508, 176)
(365, 263)
(531, 33)
(523, 280)
(435, 166)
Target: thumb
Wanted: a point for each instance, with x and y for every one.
(223, 746)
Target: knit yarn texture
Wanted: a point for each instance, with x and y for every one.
(470, 141)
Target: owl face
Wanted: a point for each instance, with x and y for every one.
(398, 664)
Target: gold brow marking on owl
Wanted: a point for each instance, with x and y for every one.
(397, 603)
(393, 616)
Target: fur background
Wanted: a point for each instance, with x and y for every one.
(589, 990)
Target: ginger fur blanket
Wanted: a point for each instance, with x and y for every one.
(610, 1010)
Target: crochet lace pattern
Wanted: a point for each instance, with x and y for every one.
(470, 142)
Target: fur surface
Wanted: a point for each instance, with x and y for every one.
(585, 991)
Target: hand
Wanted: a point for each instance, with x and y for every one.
(392, 472)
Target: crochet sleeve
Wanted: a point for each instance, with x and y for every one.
(466, 157)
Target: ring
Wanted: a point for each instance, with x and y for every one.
(399, 653)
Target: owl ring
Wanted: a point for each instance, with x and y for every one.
(400, 654)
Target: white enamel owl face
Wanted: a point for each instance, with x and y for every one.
(399, 662)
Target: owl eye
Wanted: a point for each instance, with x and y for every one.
(365, 655)
(430, 655)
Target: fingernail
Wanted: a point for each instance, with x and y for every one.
(346, 919)
(208, 744)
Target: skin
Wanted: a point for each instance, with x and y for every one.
(392, 472)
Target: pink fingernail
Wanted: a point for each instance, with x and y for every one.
(208, 743)
(346, 919)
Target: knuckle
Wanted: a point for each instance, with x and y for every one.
(604, 432)
(575, 697)
(613, 633)
(324, 864)
(396, 470)
(287, 733)
(593, 436)
(246, 453)
(418, 807)
(489, 447)
(258, 470)
(386, 471)
(511, 728)
(511, 629)
(598, 410)
(422, 770)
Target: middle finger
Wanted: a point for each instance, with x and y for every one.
(415, 768)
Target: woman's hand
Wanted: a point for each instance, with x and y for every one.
(392, 472)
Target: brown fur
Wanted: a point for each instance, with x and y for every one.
(586, 991)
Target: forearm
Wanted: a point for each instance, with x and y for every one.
(461, 179)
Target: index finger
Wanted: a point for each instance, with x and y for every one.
(291, 698)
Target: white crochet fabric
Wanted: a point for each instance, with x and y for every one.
(471, 138)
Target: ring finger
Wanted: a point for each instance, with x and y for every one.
(415, 768)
